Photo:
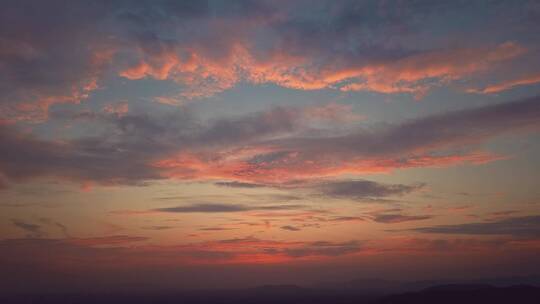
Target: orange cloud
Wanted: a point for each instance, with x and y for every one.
(415, 74)
(409, 75)
(201, 75)
(294, 166)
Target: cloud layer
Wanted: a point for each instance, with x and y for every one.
(207, 47)
(262, 148)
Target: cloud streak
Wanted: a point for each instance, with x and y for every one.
(32, 230)
(508, 84)
(224, 208)
(364, 189)
(399, 218)
(527, 226)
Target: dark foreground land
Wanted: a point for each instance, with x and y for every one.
(519, 294)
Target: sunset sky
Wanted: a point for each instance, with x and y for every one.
(202, 144)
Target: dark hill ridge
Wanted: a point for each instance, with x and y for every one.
(459, 293)
(381, 286)
(468, 294)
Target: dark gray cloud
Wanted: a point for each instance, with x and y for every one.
(345, 219)
(43, 56)
(526, 226)
(235, 130)
(324, 248)
(33, 230)
(399, 218)
(90, 159)
(317, 248)
(432, 133)
(52, 223)
(290, 228)
(363, 189)
(216, 208)
(238, 185)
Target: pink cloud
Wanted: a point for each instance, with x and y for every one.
(296, 166)
(118, 109)
(507, 85)
(414, 74)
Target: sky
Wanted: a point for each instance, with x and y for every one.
(215, 144)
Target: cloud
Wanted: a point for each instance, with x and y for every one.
(106, 240)
(433, 132)
(508, 84)
(364, 189)
(216, 208)
(209, 47)
(434, 141)
(215, 229)
(157, 227)
(236, 184)
(346, 219)
(399, 218)
(325, 249)
(290, 228)
(296, 58)
(63, 228)
(414, 73)
(118, 252)
(411, 74)
(296, 249)
(461, 246)
(262, 148)
(344, 189)
(84, 160)
(132, 265)
(33, 230)
(205, 208)
(526, 226)
(119, 109)
(41, 69)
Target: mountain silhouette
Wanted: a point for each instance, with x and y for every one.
(289, 294)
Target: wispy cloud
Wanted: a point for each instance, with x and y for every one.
(363, 189)
(526, 226)
(32, 230)
(290, 228)
(217, 208)
(508, 84)
(235, 184)
(391, 218)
